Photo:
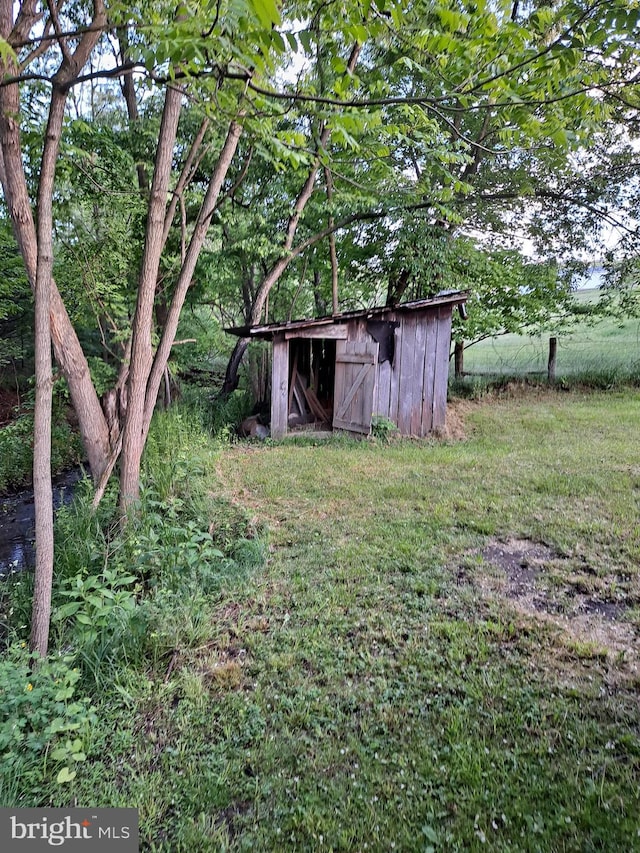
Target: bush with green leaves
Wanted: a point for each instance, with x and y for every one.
(16, 450)
(44, 724)
(383, 428)
(97, 603)
(16, 455)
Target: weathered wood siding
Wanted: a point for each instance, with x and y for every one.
(441, 378)
(355, 382)
(412, 392)
(280, 386)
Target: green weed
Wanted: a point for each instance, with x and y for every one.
(16, 443)
(44, 726)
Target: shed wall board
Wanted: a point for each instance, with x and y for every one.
(441, 371)
(383, 393)
(406, 378)
(358, 331)
(280, 386)
(429, 355)
(394, 384)
(419, 377)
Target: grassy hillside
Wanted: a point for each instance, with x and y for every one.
(608, 347)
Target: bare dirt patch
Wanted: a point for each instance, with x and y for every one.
(525, 573)
(455, 425)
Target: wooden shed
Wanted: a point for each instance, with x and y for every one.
(343, 371)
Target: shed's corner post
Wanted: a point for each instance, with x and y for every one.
(280, 386)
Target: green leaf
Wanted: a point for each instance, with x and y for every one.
(60, 753)
(66, 610)
(65, 775)
(267, 12)
(305, 38)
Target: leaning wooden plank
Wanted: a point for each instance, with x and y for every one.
(314, 404)
(294, 376)
(299, 394)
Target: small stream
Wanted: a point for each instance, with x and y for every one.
(17, 522)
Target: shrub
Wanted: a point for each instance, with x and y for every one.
(16, 455)
(16, 451)
(131, 595)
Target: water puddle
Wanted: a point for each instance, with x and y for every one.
(17, 522)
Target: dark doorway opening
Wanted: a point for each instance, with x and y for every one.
(311, 383)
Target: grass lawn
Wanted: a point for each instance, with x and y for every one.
(440, 654)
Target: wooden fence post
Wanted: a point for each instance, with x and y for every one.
(458, 359)
(551, 365)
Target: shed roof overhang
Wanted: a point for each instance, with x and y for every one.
(323, 324)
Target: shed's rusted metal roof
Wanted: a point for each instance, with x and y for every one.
(448, 297)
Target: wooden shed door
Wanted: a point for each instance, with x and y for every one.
(355, 385)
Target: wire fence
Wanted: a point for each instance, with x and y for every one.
(606, 348)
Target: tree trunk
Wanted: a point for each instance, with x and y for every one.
(232, 373)
(142, 327)
(129, 94)
(146, 372)
(67, 348)
(42, 488)
(333, 255)
(187, 270)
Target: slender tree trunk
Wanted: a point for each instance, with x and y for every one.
(67, 348)
(129, 93)
(191, 163)
(153, 377)
(146, 372)
(333, 255)
(187, 270)
(141, 345)
(42, 488)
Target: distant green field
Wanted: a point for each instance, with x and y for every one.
(606, 347)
